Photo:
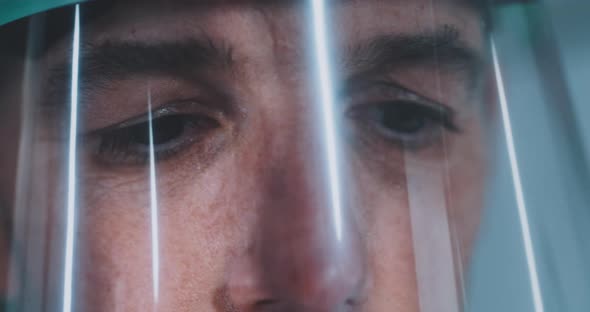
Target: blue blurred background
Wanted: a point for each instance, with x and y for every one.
(544, 55)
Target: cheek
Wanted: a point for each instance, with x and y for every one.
(385, 222)
(418, 210)
(200, 226)
(466, 184)
(205, 218)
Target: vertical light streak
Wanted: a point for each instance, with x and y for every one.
(71, 200)
(327, 99)
(457, 259)
(518, 191)
(153, 206)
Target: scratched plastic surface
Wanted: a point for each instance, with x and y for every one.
(320, 156)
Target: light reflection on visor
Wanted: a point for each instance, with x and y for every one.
(226, 156)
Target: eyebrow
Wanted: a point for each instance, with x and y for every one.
(117, 60)
(110, 61)
(442, 48)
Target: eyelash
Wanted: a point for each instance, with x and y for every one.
(128, 143)
(394, 114)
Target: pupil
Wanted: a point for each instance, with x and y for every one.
(403, 119)
(165, 129)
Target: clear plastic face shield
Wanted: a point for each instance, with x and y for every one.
(264, 156)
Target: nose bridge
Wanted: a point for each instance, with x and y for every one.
(296, 206)
(297, 258)
(295, 216)
(303, 259)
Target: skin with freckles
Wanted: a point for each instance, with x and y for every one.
(246, 217)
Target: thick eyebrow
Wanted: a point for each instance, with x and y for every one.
(109, 61)
(442, 48)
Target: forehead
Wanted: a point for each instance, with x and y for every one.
(270, 33)
(155, 18)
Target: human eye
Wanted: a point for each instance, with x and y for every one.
(398, 116)
(174, 127)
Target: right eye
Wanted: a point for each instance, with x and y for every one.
(410, 123)
(400, 116)
(130, 143)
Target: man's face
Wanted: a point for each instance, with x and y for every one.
(229, 204)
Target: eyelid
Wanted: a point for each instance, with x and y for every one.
(117, 145)
(178, 107)
(386, 88)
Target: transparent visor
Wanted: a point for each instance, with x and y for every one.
(283, 156)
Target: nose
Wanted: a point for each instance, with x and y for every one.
(298, 260)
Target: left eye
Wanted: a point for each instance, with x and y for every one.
(401, 118)
(171, 133)
(165, 130)
(404, 122)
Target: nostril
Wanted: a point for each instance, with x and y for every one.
(264, 303)
(316, 286)
(357, 298)
(274, 305)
